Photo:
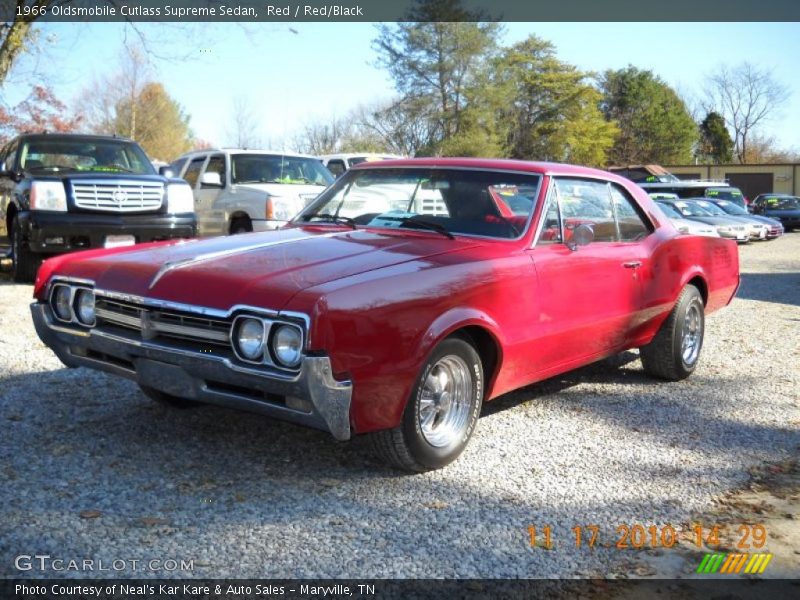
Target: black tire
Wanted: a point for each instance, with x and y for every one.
(167, 400)
(407, 446)
(666, 357)
(241, 225)
(24, 263)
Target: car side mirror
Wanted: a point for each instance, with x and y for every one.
(166, 171)
(210, 179)
(582, 235)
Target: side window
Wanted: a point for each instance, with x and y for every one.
(551, 228)
(585, 202)
(336, 167)
(177, 166)
(216, 164)
(632, 226)
(193, 172)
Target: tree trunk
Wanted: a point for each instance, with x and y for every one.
(14, 37)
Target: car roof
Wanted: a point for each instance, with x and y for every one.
(88, 137)
(502, 164)
(194, 153)
(357, 154)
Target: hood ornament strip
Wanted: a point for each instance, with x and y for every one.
(178, 264)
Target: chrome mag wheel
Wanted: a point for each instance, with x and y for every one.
(445, 400)
(692, 334)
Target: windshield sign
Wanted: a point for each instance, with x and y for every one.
(444, 201)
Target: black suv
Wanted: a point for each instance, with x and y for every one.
(64, 192)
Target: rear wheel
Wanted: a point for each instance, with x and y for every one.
(24, 263)
(674, 352)
(165, 399)
(241, 225)
(441, 413)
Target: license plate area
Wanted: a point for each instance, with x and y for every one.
(118, 241)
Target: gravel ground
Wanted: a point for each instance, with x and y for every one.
(245, 496)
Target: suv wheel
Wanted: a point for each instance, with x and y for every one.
(24, 263)
(241, 225)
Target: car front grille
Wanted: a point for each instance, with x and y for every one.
(118, 195)
(152, 323)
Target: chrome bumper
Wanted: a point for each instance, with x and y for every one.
(318, 400)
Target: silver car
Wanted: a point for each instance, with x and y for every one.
(775, 227)
(726, 226)
(757, 229)
(686, 226)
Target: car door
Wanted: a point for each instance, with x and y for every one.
(589, 297)
(210, 197)
(192, 177)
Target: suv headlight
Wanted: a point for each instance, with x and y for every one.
(48, 195)
(287, 345)
(179, 198)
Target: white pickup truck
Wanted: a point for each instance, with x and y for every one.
(237, 191)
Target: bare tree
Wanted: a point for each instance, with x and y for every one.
(244, 125)
(746, 96)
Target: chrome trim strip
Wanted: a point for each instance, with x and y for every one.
(178, 264)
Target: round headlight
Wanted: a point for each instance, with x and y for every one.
(249, 338)
(84, 306)
(60, 302)
(287, 345)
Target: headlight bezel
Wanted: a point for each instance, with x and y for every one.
(268, 357)
(74, 293)
(236, 327)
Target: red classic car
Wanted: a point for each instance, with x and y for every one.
(407, 294)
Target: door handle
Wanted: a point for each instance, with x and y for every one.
(634, 264)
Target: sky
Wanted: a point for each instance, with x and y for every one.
(295, 74)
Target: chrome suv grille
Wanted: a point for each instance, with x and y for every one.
(118, 195)
(151, 323)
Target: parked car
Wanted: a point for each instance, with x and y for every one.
(781, 207)
(339, 163)
(238, 191)
(774, 227)
(698, 189)
(398, 324)
(725, 226)
(683, 225)
(758, 230)
(65, 192)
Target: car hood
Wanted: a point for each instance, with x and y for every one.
(777, 214)
(282, 190)
(692, 226)
(264, 269)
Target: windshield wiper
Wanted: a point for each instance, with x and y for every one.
(51, 168)
(423, 224)
(334, 219)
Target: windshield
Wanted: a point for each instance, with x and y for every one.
(451, 201)
(691, 210)
(711, 208)
(55, 154)
(276, 168)
(785, 203)
(669, 211)
(726, 194)
(732, 209)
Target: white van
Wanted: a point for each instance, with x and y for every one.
(339, 163)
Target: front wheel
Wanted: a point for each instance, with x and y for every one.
(675, 350)
(441, 413)
(24, 263)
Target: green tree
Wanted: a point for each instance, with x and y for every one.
(655, 125)
(162, 128)
(549, 110)
(716, 144)
(436, 56)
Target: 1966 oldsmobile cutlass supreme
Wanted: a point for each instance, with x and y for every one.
(407, 294)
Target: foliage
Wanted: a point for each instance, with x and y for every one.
(434, 59)
(548, 109)
(746, 96)
(655, 125)
(716, 144)
(40, 111)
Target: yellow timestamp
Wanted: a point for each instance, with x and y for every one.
(638, 536)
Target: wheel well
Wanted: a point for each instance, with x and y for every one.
(700, 284)
(238, 216)
(486, 346)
